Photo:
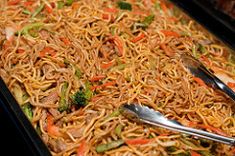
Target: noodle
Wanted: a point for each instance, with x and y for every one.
(72, 65)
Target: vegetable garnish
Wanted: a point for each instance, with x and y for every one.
(13, 2)
(47, 51)
(146, 22)
(107, 65)
(52, 129)
(111, 145)
(199, 81)
(60, 4)
(170, 33)
(169, 52)
(38, 10)
(27, 109)
(82, 96)
(138, 141)
(97, 78)
(193, 153)
(82, 148)
(26, 30)
(69, 2)
(139, 37)
(63, 102)
(124, 5)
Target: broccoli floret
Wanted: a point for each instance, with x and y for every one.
(82, 97)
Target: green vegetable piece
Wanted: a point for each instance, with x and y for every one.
(146, 22)
(157, 6)
(27, 109)
(26, 12)
(202, 49)
(124, 5)
(63, 104)
(115, 113)
(78, 72)
(205, 153)
(60, 4)
(118, 129)
(82, 97)
(111, 145)
(34, 26)
(171, 149)
(38, 10)
(69, 2)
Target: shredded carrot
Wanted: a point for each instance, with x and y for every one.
(231, 84)
(170, 33)
(138, 141)
(97, 78)
(107, 65)
(20, 51)
(48, 8)
(82, 148)
(75, 5)
(163, 6)
(199, 81)
(28, 3)
(118, 42)
(7, 44)
(216, 130)
(139, 37)
(205, 60)
(108, 17)
(95, 98)
(13, 2)
(107, 84)
(167, 50)
(47, 50)
(233, 150)
(51, 128)
(65, 40)
(111, 10)
(173, 19)
(193, 153)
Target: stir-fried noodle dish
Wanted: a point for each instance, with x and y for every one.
(71, 64)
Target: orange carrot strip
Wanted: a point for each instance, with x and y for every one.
(111, 10)
(216, 130)
(75, 5)
(205, 60)
(231, 84)
(170, 33)
(138, 141)
(82, 148)
(28, 3)
(167, 50)
(47, 50)
(112, 83)
(163, 6)
(65, 40)
(105, 16)
(119, 44)
(139, 37)
(20, 51)
(107, 65)
(48, 8)
(97, 78)
(193, 153)
(51, 128)
(199, 81)
(13, 2)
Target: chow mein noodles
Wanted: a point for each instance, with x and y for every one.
(71, 64)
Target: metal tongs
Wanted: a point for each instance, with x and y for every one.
(145, 114)
(199, 70)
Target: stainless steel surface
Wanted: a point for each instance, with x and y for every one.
(145, 114)
(199, 70)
